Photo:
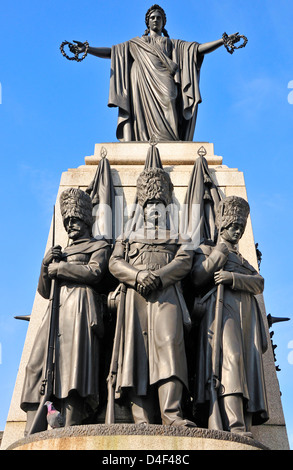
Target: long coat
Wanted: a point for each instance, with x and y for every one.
(243, 334)
(80, 325)
(153, 345)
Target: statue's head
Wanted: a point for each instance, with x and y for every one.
(154, 186)
(154, 194)
(76, 210)
(231, 217)
(149, 13)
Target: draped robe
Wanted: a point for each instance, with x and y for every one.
(155, 84)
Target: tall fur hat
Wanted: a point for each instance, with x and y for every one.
(232, 209)
(76, 203)
(154, 184)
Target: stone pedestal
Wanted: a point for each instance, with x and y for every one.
(135, 438)
(127, 161)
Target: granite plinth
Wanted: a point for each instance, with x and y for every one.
(135, 437)
(127, 161)
(171, 153)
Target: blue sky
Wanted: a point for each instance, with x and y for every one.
(53, 111)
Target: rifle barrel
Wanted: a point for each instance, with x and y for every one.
(39, 422)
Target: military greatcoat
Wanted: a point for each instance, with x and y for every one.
(243, 339)
(153, 346)
(80, 325)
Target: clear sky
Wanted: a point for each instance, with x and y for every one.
(53, 111)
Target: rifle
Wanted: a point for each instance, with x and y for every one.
(40, 423)
(215, 420)
(112, 377)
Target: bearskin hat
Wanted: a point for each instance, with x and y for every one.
(76, 203)
(232, 209)
(154, 184)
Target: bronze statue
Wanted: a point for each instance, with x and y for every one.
(155, 80)
(231, 339)
(152, 366)
(78, 271)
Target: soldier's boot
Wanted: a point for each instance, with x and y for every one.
(233, 416)
(170, 396)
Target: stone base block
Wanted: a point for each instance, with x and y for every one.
(135, 438)
(171, 153)
(127, 161)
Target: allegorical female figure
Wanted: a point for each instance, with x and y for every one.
(241, 391)
(155, 82)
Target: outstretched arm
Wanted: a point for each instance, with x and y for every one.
(208, 47)
(103, 52)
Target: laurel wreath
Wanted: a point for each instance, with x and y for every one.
(229, 42)
(75, 57)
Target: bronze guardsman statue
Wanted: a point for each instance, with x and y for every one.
(231, 338)
(152, 366)
(77, 271)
